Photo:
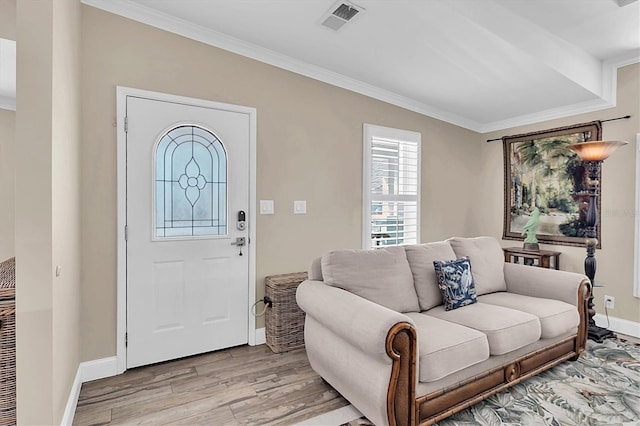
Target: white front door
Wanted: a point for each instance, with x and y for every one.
(187, 182)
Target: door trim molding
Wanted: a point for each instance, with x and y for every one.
(121, 139)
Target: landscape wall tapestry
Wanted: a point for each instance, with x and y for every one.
(540, 171)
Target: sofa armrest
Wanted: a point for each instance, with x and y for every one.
(542, 282)
(359, 321)
(364, 350)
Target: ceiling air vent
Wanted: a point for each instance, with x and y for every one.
(341, 13)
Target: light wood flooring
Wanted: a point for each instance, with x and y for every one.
(239, 386)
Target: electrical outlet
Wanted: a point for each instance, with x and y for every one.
(609, 302)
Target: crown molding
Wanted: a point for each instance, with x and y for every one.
(149, 16)
(546, 115)
(629, 58)
(608, 99)
(199, 33)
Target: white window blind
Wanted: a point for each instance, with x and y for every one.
(391, 193)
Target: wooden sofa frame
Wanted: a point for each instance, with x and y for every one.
(405, 409)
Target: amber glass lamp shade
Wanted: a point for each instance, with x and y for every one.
(595, 150)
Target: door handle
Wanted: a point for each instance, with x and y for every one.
(240, 241)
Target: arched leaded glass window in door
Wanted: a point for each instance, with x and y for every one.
(191, 184)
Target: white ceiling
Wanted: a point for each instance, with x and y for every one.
(480, 64)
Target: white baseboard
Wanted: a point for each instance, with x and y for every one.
(98, 369)
(72, 402)
(619, 325)
(87, 371)
(261, 336)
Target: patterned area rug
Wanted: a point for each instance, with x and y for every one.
(601, 388)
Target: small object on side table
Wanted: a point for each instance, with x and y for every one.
(530, 247)
(529, 230)
(543, 257)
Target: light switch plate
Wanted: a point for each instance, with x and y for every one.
(266, 207)
(300, 207)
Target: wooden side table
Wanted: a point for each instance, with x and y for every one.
(540, 258)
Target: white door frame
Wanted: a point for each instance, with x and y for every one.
(121, 110)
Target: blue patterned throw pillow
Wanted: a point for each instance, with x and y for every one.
(456, 283)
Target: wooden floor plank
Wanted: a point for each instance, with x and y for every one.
(135, 397)
(94, 416)
(166, 413)
(309, 411)
(219, 416)
(110, 392)
(275, 410)
(192, 361)
(246, 385)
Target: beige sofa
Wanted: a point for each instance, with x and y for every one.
(376, 329)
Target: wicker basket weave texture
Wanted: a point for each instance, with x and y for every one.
(7, 342)
(284, 320)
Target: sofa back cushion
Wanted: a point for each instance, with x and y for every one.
(314, 272)
(421, 258)
(487, 259)
(382, 276)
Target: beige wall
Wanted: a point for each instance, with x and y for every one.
(47, 207)
(66, 206)
(309, 147)
(7, 136)
(616, 259)
(7, 191)
(8, 19)
(33, 215)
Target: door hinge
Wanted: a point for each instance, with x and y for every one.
(126, 233)
(126, 339)
(126, 124)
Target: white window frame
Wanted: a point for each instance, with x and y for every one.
(636, 274)
(370, 132)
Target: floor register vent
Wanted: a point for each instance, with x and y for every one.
(341, 13)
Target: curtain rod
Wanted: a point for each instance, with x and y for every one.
(602, 121)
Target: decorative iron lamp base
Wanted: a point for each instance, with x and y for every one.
(599, 334)
(593, 153)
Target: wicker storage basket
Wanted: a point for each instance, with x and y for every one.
(284, 319)
(7, 342)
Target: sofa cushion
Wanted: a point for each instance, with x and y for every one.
(314, 272)
(421, 258)
(506, 329)
(445, 347)
(487, 259)
(555, 317)
(382, 276)
(455, 282)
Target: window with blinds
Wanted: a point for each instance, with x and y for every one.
(391, 193)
